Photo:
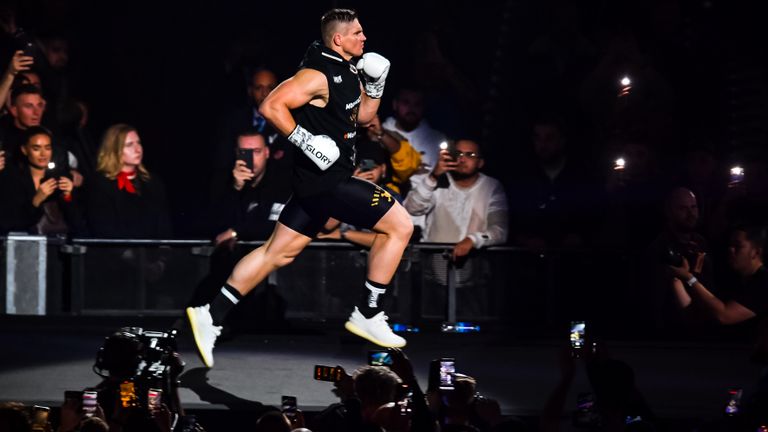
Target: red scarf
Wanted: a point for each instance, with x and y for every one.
(123, 182)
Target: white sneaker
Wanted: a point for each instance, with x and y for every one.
(204, 332)
(374, 329)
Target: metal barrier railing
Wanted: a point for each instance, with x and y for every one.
(501, 285)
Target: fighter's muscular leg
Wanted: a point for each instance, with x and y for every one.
(280, 250)
(393, 233)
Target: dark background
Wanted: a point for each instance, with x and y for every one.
(173, 69)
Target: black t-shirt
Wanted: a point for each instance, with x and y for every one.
(338, 120)
(258, 208)
(753, 295)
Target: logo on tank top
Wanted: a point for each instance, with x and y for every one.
(337, 79)
(379, 196)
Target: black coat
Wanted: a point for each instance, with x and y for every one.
(114, 213)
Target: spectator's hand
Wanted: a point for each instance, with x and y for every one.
(296, 419)
(70, 416)
(402, 366)
(332, 235)
(488, 410)
(445, 163)
(228, 238)
(567, 364)
(366, 175)
(77, 178)
(462, 249)
(374, 129)
(681, 272)
(65, 185)
(45, 190)
(345, 388)
(2, 160)
(241, 174)
(19, 62)
(162, 417)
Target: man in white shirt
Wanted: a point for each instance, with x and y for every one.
(463, 207)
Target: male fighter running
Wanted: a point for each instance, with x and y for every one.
(319, 109)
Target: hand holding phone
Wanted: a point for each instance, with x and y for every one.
(39, 418)
(246, 155)
(447, 371)
(154, 399)
(577, 333)
(89, 402)
(736, 177)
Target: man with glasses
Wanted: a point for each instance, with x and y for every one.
(454, 195)
(465, 208)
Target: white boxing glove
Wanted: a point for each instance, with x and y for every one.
(321, 149)
(373, 69)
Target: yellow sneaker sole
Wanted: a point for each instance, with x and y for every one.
(363, 334)
(190, 317)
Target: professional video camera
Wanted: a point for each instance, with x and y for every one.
(145, 358)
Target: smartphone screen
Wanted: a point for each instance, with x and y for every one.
(288, 405)
(577, 336)
(379, 358)
(447, 371)
(737, 175)
(73, 396)
(39, 418)
(246, 155)
(89, 402)
(154, 399)
(127, 394)
(733, 406)
(327, 373)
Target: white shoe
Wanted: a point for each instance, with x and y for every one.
(204, 332)
(374, 329)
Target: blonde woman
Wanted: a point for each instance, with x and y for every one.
(124, 199)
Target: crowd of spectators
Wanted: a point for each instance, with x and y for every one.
(607, 163)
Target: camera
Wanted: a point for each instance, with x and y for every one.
(143, 360)
(672, 257)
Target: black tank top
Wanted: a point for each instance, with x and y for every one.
(338, 120)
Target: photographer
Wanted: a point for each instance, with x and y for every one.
(138, 363)
(678, 240)
(748, 302)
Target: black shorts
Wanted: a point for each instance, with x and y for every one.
(353, 201)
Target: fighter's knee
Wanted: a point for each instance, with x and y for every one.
(404, 228)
